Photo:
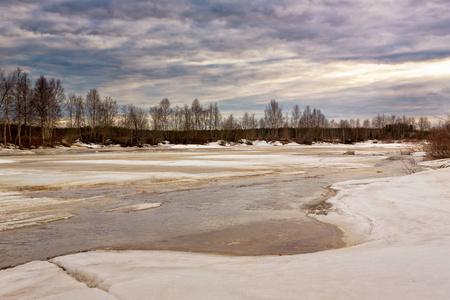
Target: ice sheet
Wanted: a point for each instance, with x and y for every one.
(135, 207)
(235, 161)
(43, 280)
(177, 163)
(7, 161)
(439, 163)
(400, 228)
(17, 210)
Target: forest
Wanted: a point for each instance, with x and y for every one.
(39, 113)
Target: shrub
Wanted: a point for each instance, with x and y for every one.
(439, 143)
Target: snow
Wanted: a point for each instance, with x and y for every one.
(51, 178)
(239, 156)
(419, 154)
(369, 153)
(398, 230)
(136, 207)
(192, 146)
(393, 209)
(78, 143)
(32, 281)
(235, 161)
(439, 163)
(367, 144)
(177, 163)
(7, 161)
(17, 211)
(262, 143)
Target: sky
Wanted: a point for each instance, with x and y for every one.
(349, 58)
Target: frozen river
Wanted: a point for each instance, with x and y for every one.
(234, 200)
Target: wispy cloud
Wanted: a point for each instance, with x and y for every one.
(347, 57)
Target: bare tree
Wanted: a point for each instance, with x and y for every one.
(70, 109)
(248, 125)
(108, 113)
(245, 121)
(56, 103)
(217, 118)
(48, 100)
(76, 112)
(197, 109)
(178, 118)
(273, 116)
(366, 123)
(365, 129)
(136, 120)
(187, 118)
(160, 115)
(230, 123)
(439, 146)
(93, 104)
(253, 125)
(295, 119)
(424, 125)
(229, 126)
(262, 123)
(155, 114)
(209, 112)
(306, 119)
(42, 95)
(166, 112)
(22, 100)
(6, 89)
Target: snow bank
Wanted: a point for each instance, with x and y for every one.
(400, 228)
(192, 146)
(390, 210)
(367, 144)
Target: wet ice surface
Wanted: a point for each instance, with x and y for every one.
(193, 195)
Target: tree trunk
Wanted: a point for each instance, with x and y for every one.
(19, 131)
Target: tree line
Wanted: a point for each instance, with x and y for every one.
(40, 113)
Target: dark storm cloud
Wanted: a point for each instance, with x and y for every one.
(116, 9)
(216, 47)
(349, 29)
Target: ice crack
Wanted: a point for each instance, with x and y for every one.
(89, 280)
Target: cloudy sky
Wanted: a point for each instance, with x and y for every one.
(350, 58)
